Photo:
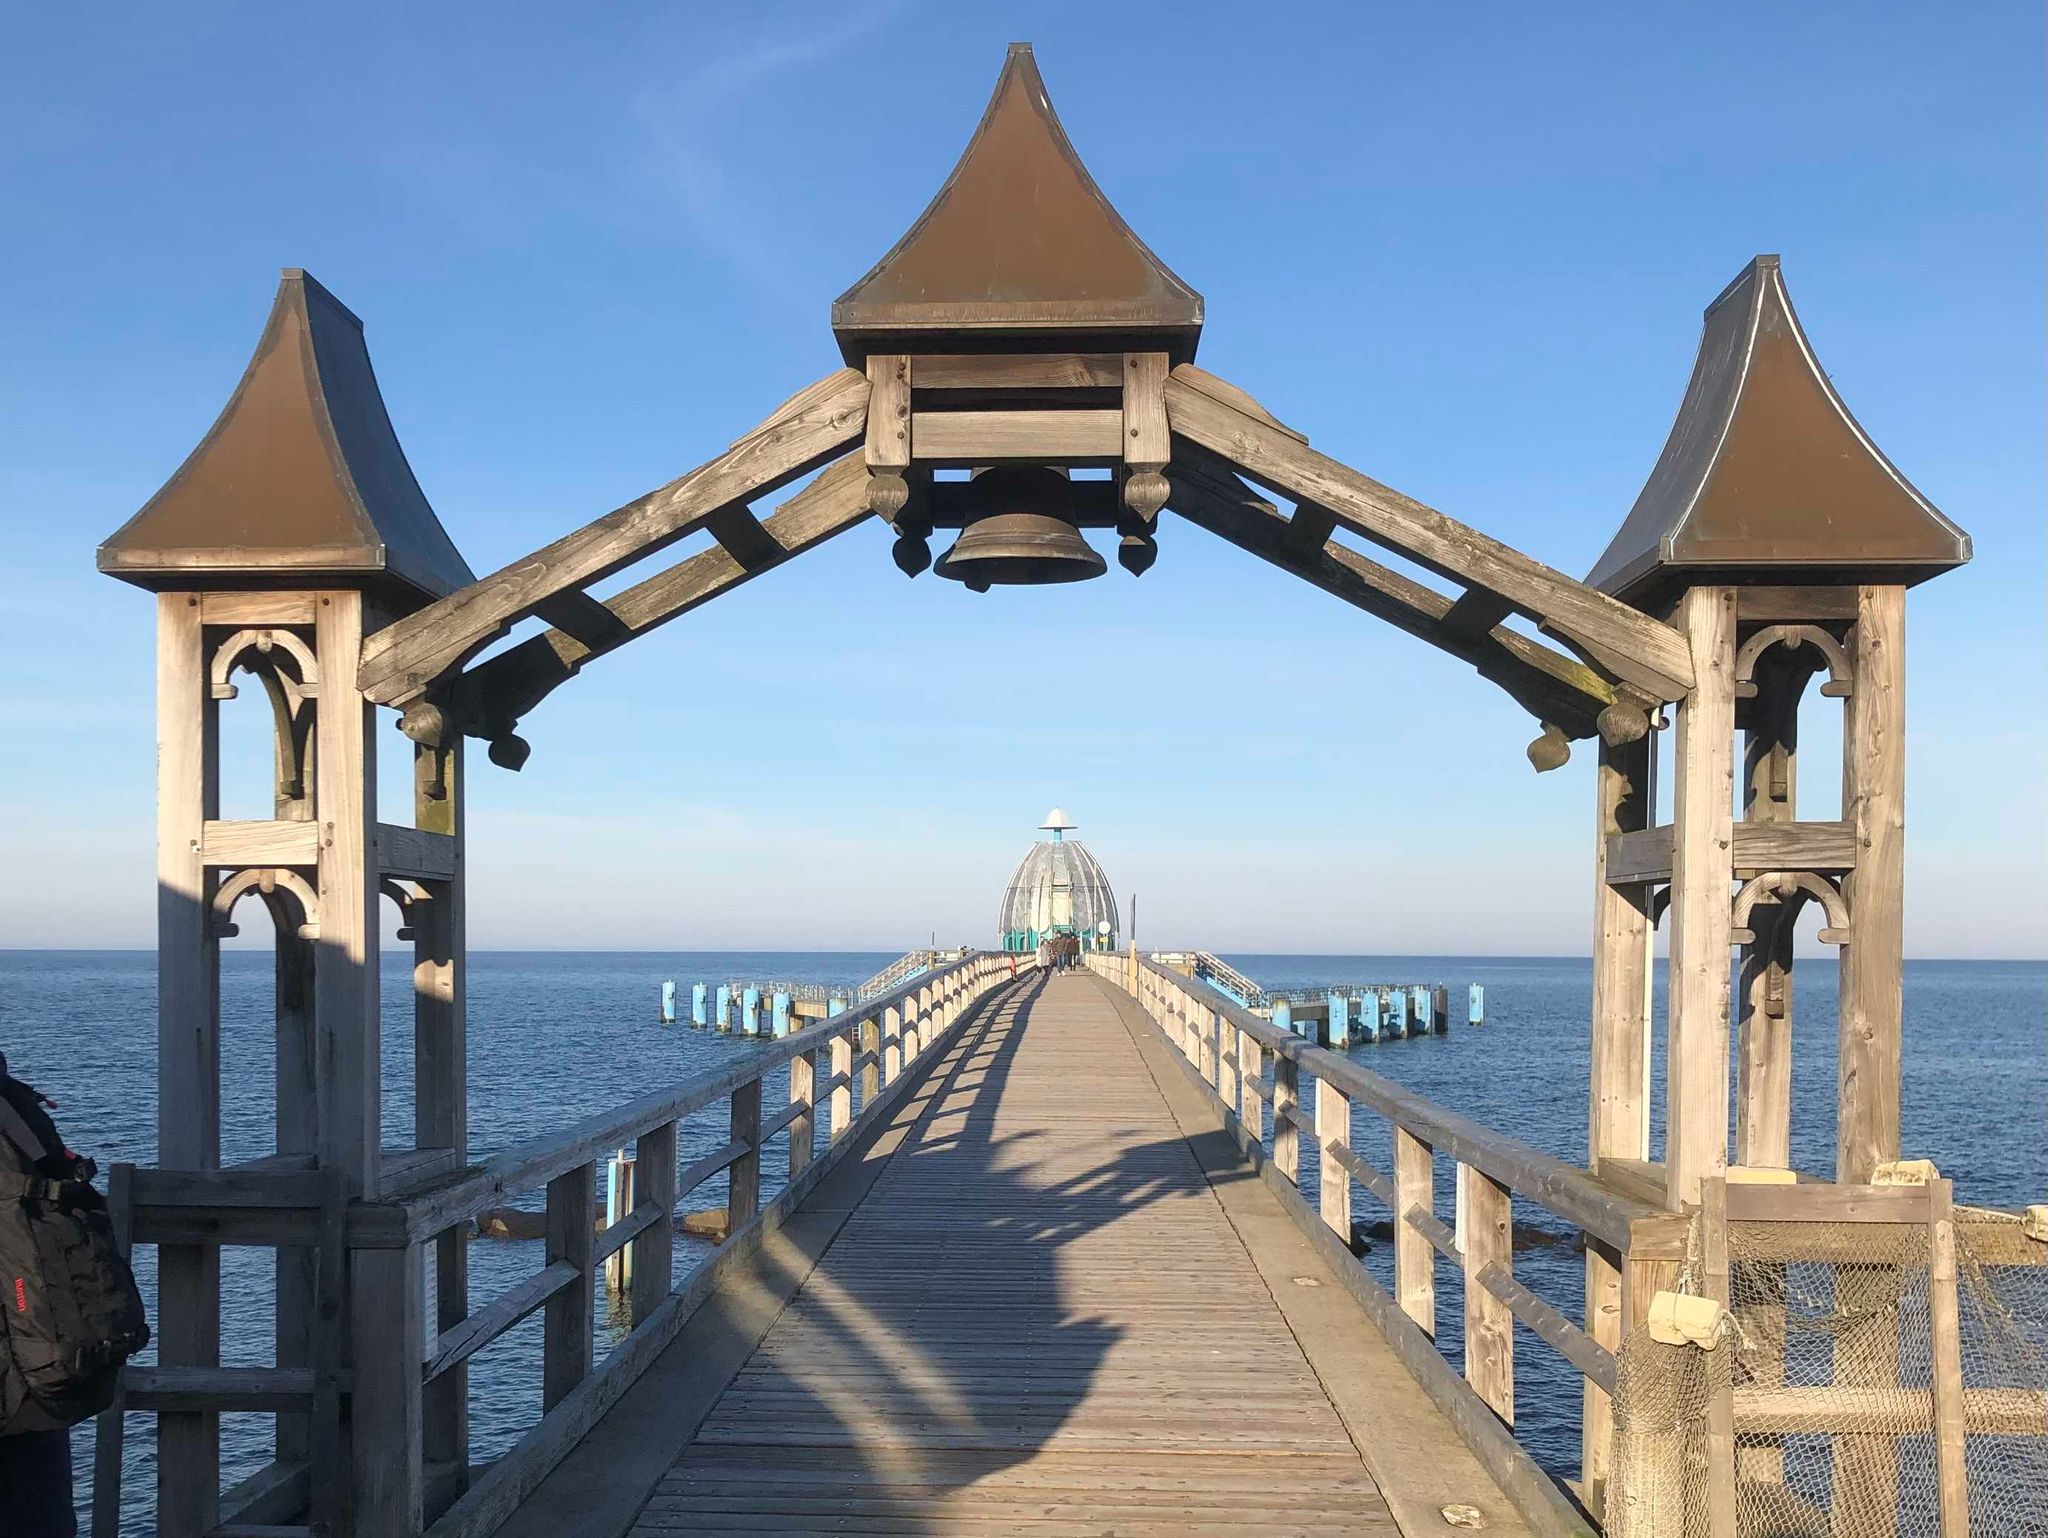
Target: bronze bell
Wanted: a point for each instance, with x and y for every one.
(1023, 534)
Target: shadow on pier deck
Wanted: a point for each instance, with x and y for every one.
(1047, 1297)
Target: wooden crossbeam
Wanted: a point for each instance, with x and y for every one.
(496, 692)
(1631, 645)
(1475, 613)
(1550, 685)
(1310, 529)
(402, 660)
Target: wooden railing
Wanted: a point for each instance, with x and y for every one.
(1271, 1081)
(407, 1420)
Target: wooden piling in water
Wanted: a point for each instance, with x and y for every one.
(779, 1014)
(697, 1013)
(750, 1012)
(724, 1007)
(668, 1001)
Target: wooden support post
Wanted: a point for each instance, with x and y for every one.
(654, 1247)
(1763, 1095)
(870, 1036)
(1619, 1120)
(892, 1044)
(1251, 1073)
(1333, 1135)
(1721, 1399)
(840, 1055)
(566, 1325)
(188, 1051)
(743, 1197)
(386, 1305)
(1286, 1101)
(1947, 1362)
(1485, 1234)
(346, 976)
(1874, 802)
(441, 1090)
(1414, 1255)
(803, 1077)
(1702, 873)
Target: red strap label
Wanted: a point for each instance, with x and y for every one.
(20, 1296)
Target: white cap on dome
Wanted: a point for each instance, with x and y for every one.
(1057, 821)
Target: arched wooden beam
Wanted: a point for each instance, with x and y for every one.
(407, 658)
(1791, 888)
(1841, 671)
(491, 696)
(236, 647)
(1629, 644)
(275, 885)
(1550, 686)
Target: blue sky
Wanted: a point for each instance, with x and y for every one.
(1464, 248)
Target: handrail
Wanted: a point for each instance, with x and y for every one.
(538, 1159)
(1309, 1101)
(875, 1044)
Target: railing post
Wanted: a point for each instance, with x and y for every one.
(892, 1044)
(1226, 1057)
(1333, 1132)
(841, 1116)
(1485, 1236)
(743, 1190)
(803, 1080)
(1414, 1255)
(1286, 1098)
(566, 1329)
(1251, 1072)
(654, 1247)
(870, 1036)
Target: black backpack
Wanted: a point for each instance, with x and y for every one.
(70, 1314)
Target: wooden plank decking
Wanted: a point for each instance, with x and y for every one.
(1040, 1319)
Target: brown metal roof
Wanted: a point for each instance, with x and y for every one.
(1766, 476)
(301, 474)
(1019, 243)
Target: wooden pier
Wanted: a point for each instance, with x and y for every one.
(1052, 1303)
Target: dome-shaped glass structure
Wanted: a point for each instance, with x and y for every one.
(1059, 889)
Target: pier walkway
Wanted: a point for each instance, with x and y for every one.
(1050, 1299)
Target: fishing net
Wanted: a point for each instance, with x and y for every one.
(1823, 1376)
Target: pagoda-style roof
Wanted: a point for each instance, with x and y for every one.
(301, 473)
(1019, 248)
(1766, 476)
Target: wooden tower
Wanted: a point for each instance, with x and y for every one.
(294, 530)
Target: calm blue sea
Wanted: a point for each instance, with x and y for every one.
(556, 1036)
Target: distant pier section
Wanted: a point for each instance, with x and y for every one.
(773, 1008)
(1335, 1014)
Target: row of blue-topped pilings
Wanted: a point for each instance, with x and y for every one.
(1375, 1014)
(713, 1009)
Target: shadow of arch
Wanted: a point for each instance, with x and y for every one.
(956, 1328)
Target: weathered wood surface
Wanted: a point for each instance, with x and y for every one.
(1040, 1318)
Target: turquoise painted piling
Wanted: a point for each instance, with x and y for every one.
(1372, 1014)
(1440, 1013)
(1397, 1014)
(1424, 1023)
(834, 1007)
(1283, 1014)
(725, 1006)
(1475, 1005)
(697, 1016)
(779, 1016)
(750, 1012)
(668, 1001)
(1340, 1021)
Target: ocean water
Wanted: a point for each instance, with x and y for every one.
(557, 1036)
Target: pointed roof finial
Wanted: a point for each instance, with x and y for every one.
(1766, 476)
(1019, 249)
(301, 474)
(1057, 823)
